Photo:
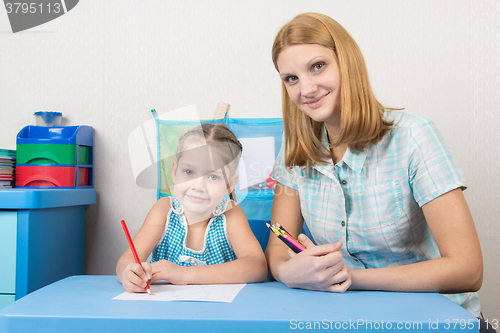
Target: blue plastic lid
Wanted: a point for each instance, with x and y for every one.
(48, 116)
(52, 113)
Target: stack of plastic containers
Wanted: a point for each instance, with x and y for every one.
(58, 156)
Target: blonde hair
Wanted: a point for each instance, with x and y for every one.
(362, 123)
(218, 136)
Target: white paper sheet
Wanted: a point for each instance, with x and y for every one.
(258, 160)
(198, 293)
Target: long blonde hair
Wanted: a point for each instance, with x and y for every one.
(362, 123)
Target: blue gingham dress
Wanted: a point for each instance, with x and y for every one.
(371, 200)
(172, 246)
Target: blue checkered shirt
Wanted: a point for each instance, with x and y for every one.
(172, 246)
(371, 200)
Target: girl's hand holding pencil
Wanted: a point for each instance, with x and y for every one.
(135, 277)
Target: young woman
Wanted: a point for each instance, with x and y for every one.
(379, 190)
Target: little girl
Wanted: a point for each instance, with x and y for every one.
(197, 236)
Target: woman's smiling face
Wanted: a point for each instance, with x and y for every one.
(311, 76)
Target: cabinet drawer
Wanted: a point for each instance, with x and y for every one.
(6, 300)
(8, 243)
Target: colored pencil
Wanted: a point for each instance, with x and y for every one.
(286, 241)
(286, 238)
(290, 245)
(281, 227)
(134, 252)
(292, 240)
(282, 238)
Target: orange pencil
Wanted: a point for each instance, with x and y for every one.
(134, 252)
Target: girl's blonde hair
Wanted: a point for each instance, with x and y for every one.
(219, 137)
(362, 123)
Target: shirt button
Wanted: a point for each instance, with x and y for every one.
(344, 182)
(343, 223)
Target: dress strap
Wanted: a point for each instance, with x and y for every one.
(221, 208)
(176, 206)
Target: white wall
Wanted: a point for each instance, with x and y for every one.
(107, 63)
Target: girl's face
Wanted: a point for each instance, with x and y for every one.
(311, 76)
(197, 186)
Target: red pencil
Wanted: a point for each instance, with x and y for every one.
(134, 252)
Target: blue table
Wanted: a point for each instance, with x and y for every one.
(84, 304)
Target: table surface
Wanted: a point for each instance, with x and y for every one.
(84, 304)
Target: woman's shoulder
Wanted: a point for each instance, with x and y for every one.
(403, 119)
(408, 131)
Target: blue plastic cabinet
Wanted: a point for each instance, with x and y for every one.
(42, 234)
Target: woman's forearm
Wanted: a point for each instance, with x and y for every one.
(444, 275)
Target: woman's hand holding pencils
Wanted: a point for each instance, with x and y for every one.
(318, 268)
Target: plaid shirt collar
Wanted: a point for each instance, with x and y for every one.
(353, 159)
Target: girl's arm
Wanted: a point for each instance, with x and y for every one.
(460, 268)
(250, 265)
(132, 275)
(316, 268)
